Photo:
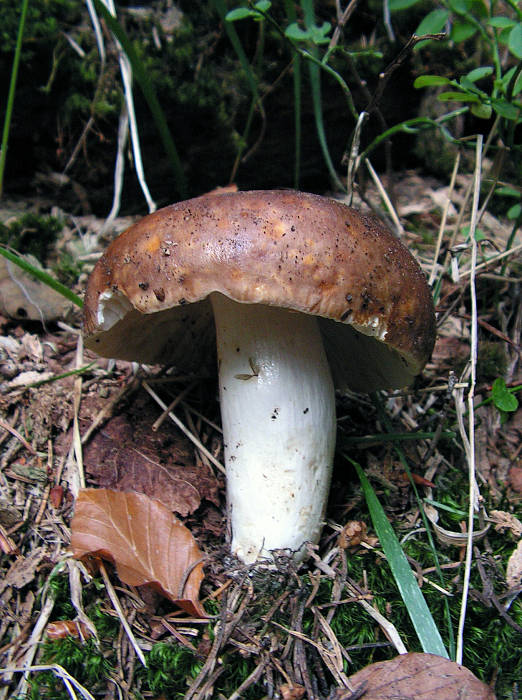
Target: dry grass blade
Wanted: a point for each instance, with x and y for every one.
(469, 440)
(391, 209)
(121, 615)
(77, 397)
(184, 429)
(70, 683)
(512, 252)
(442, 227)
(33, 641)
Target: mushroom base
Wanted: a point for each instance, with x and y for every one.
(278, 414)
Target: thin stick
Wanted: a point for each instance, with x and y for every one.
(341, 21)
(108, 408)
(196, 413)
(33, 642)
(385, 198)
(172, 405)
(354, 161)
(471, 393)
(250, 680)
(77, 397)
(184, 429)
(491, 261)
(444, 218)
(47, 490)
(18, 436)
(67, 679)
(119, 610)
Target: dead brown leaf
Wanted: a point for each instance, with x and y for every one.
(23, 570)
(23, 296)
(514, 567)
(125, 459)
(355, 532)
(506, 521)
(67, 628)
(147, 544)
(292, 692)
(420, 677)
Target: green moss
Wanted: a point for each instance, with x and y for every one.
(170, 667)
(491, 361)
(44, 23)
(67, 269)
(31, 234)
(89, 664)
(486, 630)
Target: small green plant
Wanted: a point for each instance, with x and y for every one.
(493, 89)
(305, 42)
(504, 398)
(490, 92)
(256, 12)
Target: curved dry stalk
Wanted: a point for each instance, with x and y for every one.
(469, 438)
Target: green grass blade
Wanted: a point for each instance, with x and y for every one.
(314, 72)
(250, 76)
(384, 418)
(57, 377)
(297, 78)
(230, 30)
(418, 610)
(297, 118)
(11, 93)
(414, 126)
(150, 95)
(43, 276)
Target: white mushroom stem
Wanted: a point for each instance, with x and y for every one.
(278, 416)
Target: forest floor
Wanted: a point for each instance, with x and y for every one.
(70, 420)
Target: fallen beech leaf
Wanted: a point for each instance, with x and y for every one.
(418, 479)
(67, 628)
(420, 677)
(147, 544)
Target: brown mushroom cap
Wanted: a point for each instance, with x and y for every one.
(148, 296)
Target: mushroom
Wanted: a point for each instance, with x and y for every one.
(301, 295)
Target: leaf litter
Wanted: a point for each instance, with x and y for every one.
(288, 626)
(420, 677)
(146, 543)
(130, 457)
